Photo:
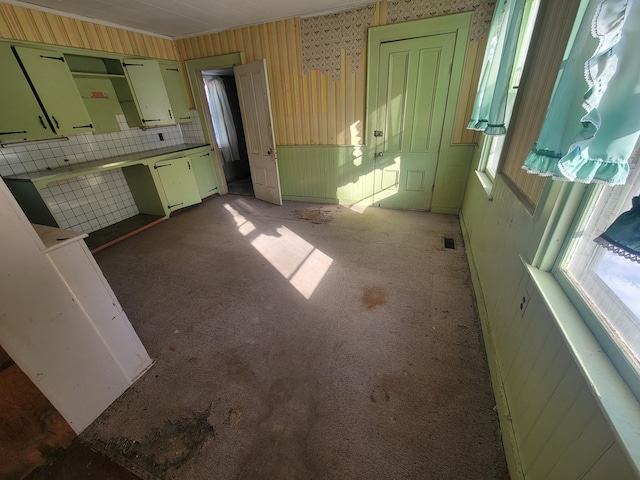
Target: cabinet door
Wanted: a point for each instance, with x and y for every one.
(54, 84)
(150, 94)
(178, 183)
(205, 174)
(174, 83)
(22, 118)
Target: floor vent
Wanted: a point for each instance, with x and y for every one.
(449, 243)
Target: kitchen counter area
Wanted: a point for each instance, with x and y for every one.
(157, 182)
(42, 177)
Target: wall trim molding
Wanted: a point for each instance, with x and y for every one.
(509, 441)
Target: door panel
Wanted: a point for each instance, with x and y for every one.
(178, 182)
(411, 100)
(255, 108)
(22, 117)
(145, 78)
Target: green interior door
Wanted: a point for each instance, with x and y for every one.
(411, 99)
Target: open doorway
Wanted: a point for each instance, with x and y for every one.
(224, 110)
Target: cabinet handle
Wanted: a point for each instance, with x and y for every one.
(85, 126)
(132, 64)
(42, 122)
(11, 133)
(160, 166)
(189, 163)
(172, 69)
(174, 205)
(53, 58)
(185, 118)
(55, 121)
(204, 155)
(170, 116)
(145, 120)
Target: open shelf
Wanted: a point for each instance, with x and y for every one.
(107, 236)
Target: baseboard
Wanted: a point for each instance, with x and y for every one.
(445, 210)
(295, 198)
(509, 442)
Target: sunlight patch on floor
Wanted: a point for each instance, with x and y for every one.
(296, 259)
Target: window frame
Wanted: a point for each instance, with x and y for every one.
(489, 156)
(588, 309)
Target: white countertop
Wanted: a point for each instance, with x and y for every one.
(56, 237)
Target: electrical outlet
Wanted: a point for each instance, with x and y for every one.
(161, 136)
(523, 302)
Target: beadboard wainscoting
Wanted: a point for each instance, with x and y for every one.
(345, 174)
(326, 173)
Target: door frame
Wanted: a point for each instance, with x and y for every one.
(460, 24)
(194, 70)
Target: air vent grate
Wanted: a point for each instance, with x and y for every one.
(449, 243)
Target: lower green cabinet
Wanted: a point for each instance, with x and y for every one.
(178, 183)
(205, 174)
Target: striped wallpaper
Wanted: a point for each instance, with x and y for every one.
(308, 109)
(311, 108)
(18, 23)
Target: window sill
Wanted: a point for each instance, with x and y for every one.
(619, 405)
(487, 184)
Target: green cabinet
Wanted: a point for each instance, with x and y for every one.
(22, 117)
(53, 83)
(205, 174)
(158, 91)
(175, 86)
(178, 183)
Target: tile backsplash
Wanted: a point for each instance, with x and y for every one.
(94, 201)
(90, 202)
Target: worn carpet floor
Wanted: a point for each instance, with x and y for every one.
(301, 342)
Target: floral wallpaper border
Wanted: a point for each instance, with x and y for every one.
(324, 37)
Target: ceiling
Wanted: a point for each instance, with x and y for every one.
(186, 18)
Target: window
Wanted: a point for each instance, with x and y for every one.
(604, 286)
(492, 144)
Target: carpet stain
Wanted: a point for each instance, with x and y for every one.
(233, 417)
(373, 297)
(167, 448)
(379, 394)
(313, 215)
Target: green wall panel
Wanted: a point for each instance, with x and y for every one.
(326, 173)
(344, 174)
(551, 424)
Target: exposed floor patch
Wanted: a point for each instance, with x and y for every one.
(373, 297)
(166, 449)
(314, 215)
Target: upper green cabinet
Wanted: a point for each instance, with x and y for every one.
(158, 91)
(53, 83)
(174, 83)
(22, 117)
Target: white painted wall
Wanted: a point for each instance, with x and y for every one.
(61, 322)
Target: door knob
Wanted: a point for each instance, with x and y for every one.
(269, 152)
(379, 154)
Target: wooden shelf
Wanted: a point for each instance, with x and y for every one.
(107, 236)
(97, 75)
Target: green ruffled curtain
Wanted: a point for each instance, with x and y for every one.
(594, 147)
(490, 104)
(623, 236)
